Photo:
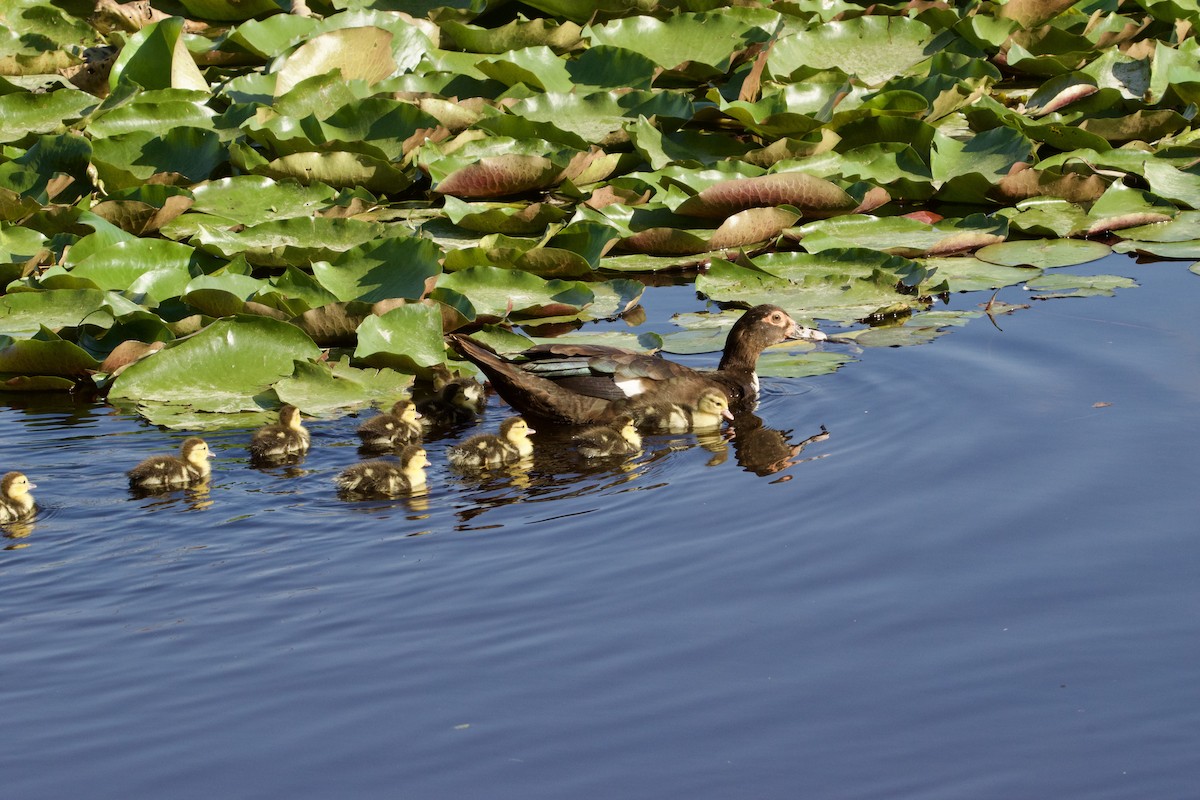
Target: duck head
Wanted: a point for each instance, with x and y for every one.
(758, 329)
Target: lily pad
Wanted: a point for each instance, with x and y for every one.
(220, 369)
(1044, 253)
(321, 387)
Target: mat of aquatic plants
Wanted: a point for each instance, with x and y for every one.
(210, 207)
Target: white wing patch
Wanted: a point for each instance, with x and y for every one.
(631, 387)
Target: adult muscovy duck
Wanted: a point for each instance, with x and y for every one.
(578, 384)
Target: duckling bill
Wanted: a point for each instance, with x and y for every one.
(16, 503)
(489, 450)
(386, 478)
(172, 472)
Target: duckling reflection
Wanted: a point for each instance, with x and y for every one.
(284, 442)
(766, 451)
(195, 497)
(167, 473)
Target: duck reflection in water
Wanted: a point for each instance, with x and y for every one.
(195, 497)
(766, 451)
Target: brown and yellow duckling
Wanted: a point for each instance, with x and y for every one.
(16, 503)
(618, 438)
(490, 450)
(705, 413)
(392, 430)
(171, 472)
(386, 478)
(458, 401)
(282, 440)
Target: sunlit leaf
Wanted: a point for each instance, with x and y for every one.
(220, 369)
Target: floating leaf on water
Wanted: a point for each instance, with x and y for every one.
(1043, 253)
(221, 368)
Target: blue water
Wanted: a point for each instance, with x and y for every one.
(981, 585)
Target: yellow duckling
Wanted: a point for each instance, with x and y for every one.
(490, 450)
(392, 430)
(170, 472)
(16, 503)
(385, 478)
(618, 438)
(283, 440)
(460, 400)
(704, 413)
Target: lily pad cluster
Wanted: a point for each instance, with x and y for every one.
(211, 206)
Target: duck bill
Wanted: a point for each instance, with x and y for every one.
(727, 414)
(797, 331)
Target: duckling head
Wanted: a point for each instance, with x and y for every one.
(714, 403)
(465, 394)
(515, 429)
(195, 451)
(405, 410)
(289, 417)
(414, 458)
(14, 485)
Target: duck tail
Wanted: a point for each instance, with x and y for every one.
(529, 394)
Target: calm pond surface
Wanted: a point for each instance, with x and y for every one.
(982, 584)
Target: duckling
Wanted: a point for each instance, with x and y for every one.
(490, 450)
(16, 503)
(169, 472)
(704, 413)
(283, 440)
(392, 430)
(618, 438)
(458, 401)
(384, 478)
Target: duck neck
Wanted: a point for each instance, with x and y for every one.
(739, 356)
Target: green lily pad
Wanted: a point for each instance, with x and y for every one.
(220, 369)
(1043, 253)
(1063, 285)
(321, 387)
(501, 293)
(407, 338)
(382, 269)
(970, 274)
(357, 53)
